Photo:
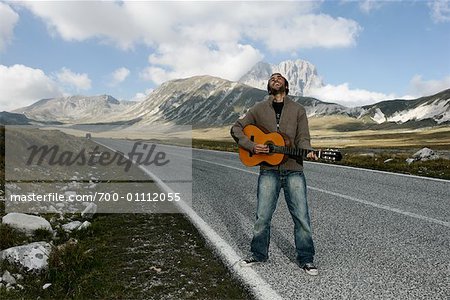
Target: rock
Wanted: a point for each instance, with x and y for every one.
(425, 154)
(31, 257)
(26, 223)
(8, 278)
(18, 276)
(20, 287)
(409, 161)
(85, 225)
(89, 211)
(71, 226)
(46, 286)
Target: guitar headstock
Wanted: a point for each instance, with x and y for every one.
(330, 154)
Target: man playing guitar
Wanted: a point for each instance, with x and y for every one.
(279, 113)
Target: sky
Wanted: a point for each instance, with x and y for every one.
(364, 51)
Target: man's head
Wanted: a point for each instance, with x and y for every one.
(277, 84)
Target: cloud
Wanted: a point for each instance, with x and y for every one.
(22, 86)
(420, 87)
(119, 75)
(228, 61)
(342, 94)
(9, 19)
(367, 6)
(194, 38)
(74, 80)
(440, 10)
(138, 97)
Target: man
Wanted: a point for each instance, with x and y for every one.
(279, 113)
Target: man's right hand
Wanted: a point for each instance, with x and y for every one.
(260, 148)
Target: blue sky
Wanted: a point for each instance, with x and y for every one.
(365, 51)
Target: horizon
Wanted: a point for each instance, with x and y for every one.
(365, 52)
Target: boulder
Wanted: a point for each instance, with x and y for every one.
(89, 211)
(71, 226)
(26, 223)
(32, 257)
(85, 225)
(425, 154)
(8, 278)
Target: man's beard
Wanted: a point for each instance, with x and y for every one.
(280, 90)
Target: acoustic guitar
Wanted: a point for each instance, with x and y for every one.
(279, 148)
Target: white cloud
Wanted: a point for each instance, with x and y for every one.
(440, 10)
(21, 86)
(342, 94)
(74, 80)
(367, 6)
(227, 61)
(119, 75)
(9, 19)
(194, 38)
(138, 97)
(420, 87)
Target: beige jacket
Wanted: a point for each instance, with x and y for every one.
(293, 123)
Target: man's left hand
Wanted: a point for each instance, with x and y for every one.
(312, 155)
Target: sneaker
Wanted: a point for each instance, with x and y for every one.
(248, 262)
(310, 269)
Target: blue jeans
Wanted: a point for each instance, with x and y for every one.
(293, 183)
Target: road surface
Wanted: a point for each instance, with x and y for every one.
(377, 235)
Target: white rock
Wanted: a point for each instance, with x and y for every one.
(18, 276)
(32, 257)
(425, 154)
(85, 225)
(89, 211)
(409, 161)
(8, 278)
(26, 223)
(71, 226)
(46, 286)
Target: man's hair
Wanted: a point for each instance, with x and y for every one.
(286, 83)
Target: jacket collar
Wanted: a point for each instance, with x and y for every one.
(287, 100)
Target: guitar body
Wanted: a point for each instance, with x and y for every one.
(279, 148)
(261, 136)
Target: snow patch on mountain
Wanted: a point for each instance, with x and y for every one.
(378, 116)
(435, 110)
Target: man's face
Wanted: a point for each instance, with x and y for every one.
(277, 84)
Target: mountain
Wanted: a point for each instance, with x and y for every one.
(73, 108)
(198, 101)
(433, 110)
(301, 75)
(7, 118)
(206, 101)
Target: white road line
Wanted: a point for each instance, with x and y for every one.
(349, 167)
(373, 204)
(260, 288)
(385, 207)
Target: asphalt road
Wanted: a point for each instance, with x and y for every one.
(378, 235)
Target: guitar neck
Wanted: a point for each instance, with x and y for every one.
(299, 152)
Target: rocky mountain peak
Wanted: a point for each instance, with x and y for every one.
(301, 74)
